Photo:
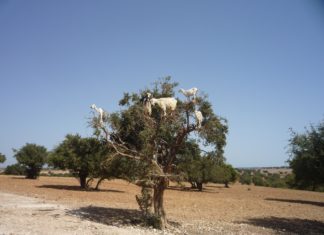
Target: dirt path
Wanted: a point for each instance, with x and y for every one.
(26, 215)
(21, 215)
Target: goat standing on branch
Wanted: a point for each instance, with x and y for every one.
(199, 118)
(190, 92)
(100, 111)
(146, 101)
(164, 103)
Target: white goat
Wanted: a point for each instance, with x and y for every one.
(100, 111)
(199, 118)
(147, 104)
(190, 92)
(165, 103)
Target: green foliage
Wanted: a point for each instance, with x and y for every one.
(245, 178)
(307, 157)
(275, 181)
(224, 174)
(15, 169)
(258, 179)
(2, 158)
(266, 179)
(117, 168)
(82, 156)
(32, 157)
(159, 142)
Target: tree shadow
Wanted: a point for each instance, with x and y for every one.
(108, 216)
(18, 177)
(112, 216)
(189, 189)
(217, 186)
(78, 188)
(313, 203)
(288, 225)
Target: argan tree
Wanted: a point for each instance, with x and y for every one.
(2, 158)
(307, 157)
(224, 174)
(81, 156)
(156, 140)
(32, 157)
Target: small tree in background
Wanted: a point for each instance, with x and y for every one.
(245, 177)
(224, 174)
(2, 158)
(201, 168)
(32, 157)
(15, 169)
(81, 156)
(307, 157)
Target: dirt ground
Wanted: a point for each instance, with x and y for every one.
(113, 210)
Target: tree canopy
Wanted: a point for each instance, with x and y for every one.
(157, 140)
(307, 157)
(2, 158)
(32, 157)
(82, 156)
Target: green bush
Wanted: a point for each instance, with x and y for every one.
(258, 179)
(15, 169)
(32, 157)
(245, 178)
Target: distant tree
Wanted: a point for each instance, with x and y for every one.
(276, 181)
(32, 157)
(196, 168)
(245, 178)
(2, 158)
(117, 168)
(201, 168)
(15, 169)
(225, 174)
(82, 156)
(307, 157)
(198, 171)
(258, 179)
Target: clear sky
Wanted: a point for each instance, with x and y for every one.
(260, 61)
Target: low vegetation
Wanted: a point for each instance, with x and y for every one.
(266, 179)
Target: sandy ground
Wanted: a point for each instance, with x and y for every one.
(54, 205)
(27, 215)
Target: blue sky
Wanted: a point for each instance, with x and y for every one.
(260, 62)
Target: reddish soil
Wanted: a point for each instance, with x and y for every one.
(217, 210)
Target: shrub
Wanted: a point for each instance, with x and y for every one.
(15, 169)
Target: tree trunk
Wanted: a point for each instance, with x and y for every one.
(193, 184)
(158, 198)
(199, 186)
(83, 181)
(99, 182)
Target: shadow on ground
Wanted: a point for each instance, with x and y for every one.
(189, 189)
(313, 203)
(216, 186)
(112, 216)
(288, 225)
(77, 188)
(108, 216)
